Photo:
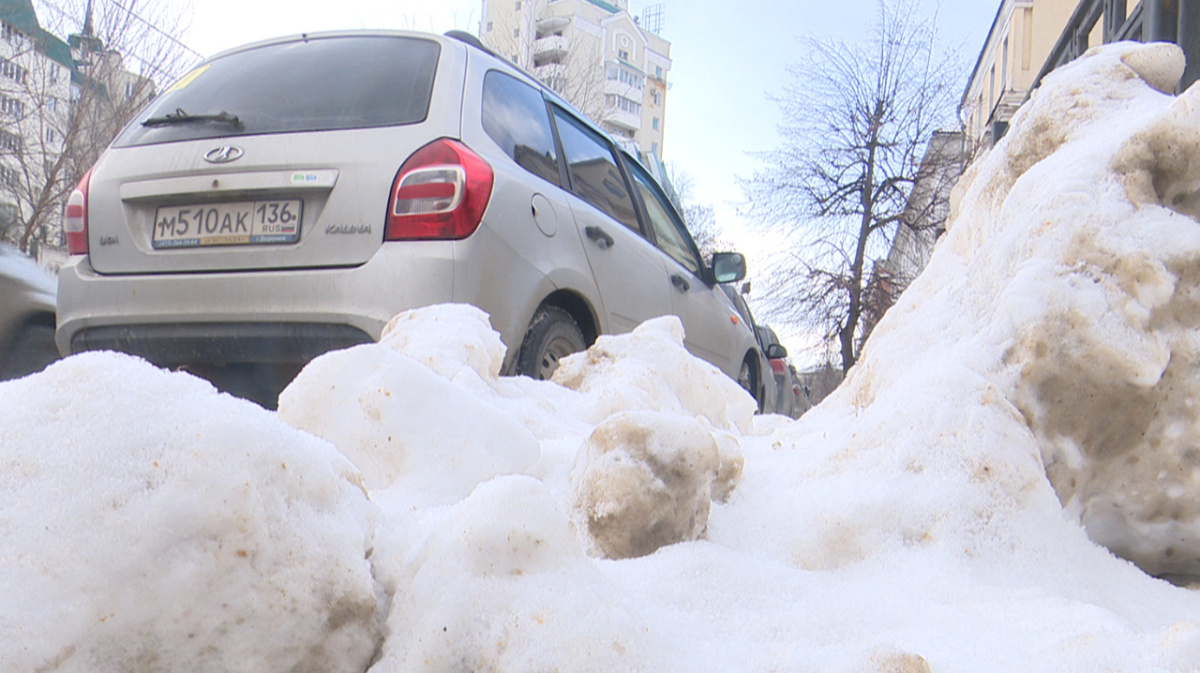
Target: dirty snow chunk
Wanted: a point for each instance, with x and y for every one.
(144, 517)
(400, 421)
(649, 368)
(1105, 349)
(504, 585)
(448, 338)
(644, 480)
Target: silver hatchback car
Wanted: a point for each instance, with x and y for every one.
(290, 197)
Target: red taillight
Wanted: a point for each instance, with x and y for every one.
(75, 222)
(440, 192)
(778, 365)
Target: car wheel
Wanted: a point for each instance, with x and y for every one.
(552, 335)
(31, 350)
(748, 379)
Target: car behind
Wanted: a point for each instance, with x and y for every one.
(27, 302)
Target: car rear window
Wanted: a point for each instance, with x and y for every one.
(316, 84)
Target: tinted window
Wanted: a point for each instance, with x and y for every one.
(514, 115)
(307, 85)
(668, 229)
(594, 173)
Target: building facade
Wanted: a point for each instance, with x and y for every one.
(1029, 38)
(1021, 38)
(36, 87)
(595, 55)
(61, 103)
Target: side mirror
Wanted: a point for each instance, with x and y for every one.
(728, 267)
(776, 352)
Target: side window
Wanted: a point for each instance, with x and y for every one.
(668, 228)
(514, 115)
(594, 173)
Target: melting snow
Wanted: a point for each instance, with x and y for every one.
(1030, 401)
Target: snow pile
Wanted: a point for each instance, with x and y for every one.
(1103, 297)
(386, 409)
(149, 523)
(646, 480)
(479, 502)
(633, 516)
(657, 373)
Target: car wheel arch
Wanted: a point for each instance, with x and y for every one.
(579, 308)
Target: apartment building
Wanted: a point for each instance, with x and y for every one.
(61, 103)
(595, 55)
(35, 99)
(1021, 38)
(1030, 38)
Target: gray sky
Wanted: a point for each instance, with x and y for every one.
(727, 57)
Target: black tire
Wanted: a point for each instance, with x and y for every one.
(552, 335)
(748, 379)
(31, 350)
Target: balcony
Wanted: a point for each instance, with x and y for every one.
(551, 49)
(618, 88)
(622, 119)
(552, 24)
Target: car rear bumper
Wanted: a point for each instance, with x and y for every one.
(177, 344)
(267, 316)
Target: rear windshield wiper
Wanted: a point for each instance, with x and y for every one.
(181, 117)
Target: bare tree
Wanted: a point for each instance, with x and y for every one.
(66, 102)
(701, 218)
(858, 118)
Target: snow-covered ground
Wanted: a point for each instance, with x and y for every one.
(408, 510)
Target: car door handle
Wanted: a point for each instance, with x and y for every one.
(600, 236)
(680, 282)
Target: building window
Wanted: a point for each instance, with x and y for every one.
(655, 97)
(516, 32)
(12, 106)
(517, 6)
(11, 142)
(658, 72)
(12, 71)
(489, 26)
(625, 76)
(1004, 68)
(991, 89)
(654, 124)
(11, 34)
(50, 135)
(654, 148)
(623, 103)
(10, 177)
(623, 55)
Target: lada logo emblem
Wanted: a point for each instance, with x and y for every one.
(223, 155)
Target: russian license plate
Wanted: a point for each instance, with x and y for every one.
(242, 223)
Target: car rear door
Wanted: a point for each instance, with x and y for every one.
(630, 272)
(709, 318)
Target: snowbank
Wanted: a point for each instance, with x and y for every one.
(149, 523)
(1032, 388)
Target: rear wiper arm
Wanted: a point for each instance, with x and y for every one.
(181, 117)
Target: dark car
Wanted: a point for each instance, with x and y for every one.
(26, 315)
